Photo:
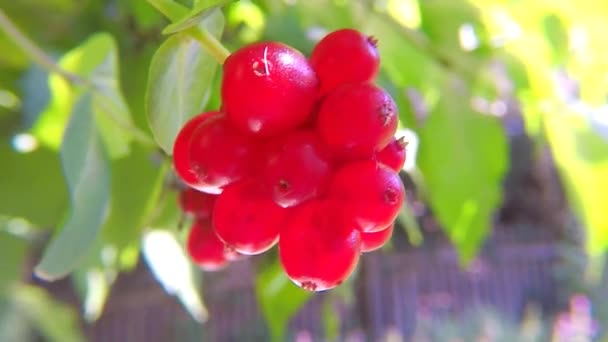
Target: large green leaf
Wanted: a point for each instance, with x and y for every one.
(581, 156)
(463, 156)
(87, 173)
(96, 62)
(181, 75)
(279, 299)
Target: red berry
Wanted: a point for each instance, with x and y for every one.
(204, 247)
(268, 88)
(393, 155)
(319, 246)
(356, 120)
(196, 203)
(181, 147)
(220, 155)
(345, 56)
(373, 241)
(246, 218)
(296, 167)
(372, 192)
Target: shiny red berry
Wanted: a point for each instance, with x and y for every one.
(220, 155)
(373, 241)
(268, 88)
(345, 56)
(320, 246)
(195, 203)
(181, 147)
(297, 167)
(393, 155)
(246, 218)
(356, 120)
(204, 247)
(372, 192)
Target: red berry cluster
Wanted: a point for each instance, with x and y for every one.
(302, 152)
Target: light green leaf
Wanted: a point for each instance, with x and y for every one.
(463, 156)
(279, 299)
(54, 320)
(202, 10)
(87, 173)
(441, 20)
(96, 62)
(581, 156)
(179, 85)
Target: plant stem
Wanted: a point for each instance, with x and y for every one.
(174, 12)
(38, 56)
(34, 52)
(169, 9)
(212, 45)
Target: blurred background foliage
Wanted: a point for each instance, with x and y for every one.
(89, 106)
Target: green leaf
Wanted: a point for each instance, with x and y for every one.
(87, 173)
(202, 10)
(442, 20)
(137, 181)
(13, 255)
(581, 156)
(56, 321)
(181, 76)
(96, 61)
(463, 156)
(279, 299)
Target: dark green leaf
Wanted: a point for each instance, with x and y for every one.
(463, 156)
(279, 299)
(87, 173)
(181, 76)
(137, 182)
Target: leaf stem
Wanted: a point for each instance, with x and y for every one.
(212, 45)
(174, 12)
(38, 56)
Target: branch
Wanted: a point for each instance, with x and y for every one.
(38, 56)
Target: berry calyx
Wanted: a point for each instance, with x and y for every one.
(268, 88)
(220, 155)
(195, 203)
(345, 56)
(246, 218)
(181, 147)
(393, 155)
(320, 246)
(296, 168)
(373, 241)
(372, 192)
(204, 247)
(356, 120)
